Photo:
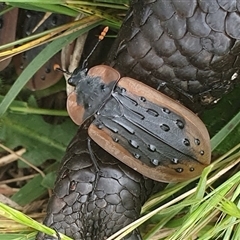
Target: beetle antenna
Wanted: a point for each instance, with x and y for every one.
(58, 68)
(100, 38)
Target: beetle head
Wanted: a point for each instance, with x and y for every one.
(92, 89)
(78, 75)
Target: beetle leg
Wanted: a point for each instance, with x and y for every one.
(94, 160)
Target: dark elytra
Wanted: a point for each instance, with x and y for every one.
(138, 125)
(188, 64)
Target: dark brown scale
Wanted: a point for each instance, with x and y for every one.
(82, 212)
(191, 55)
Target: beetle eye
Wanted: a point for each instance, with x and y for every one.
(71, 82)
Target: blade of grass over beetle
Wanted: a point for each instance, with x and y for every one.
(38, 1)
(46, 37)
(114, 1)
(101, 14)
(36, 39)
(50, 50)
(54, 6)
(9, 8)
(108, 5)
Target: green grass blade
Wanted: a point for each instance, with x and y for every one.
(19, 217)
(45, 7)
(225, 131)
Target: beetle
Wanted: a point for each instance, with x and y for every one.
(140, 126)
(33, 23)
(8, 25)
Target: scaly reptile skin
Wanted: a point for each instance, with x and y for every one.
(83, 210)
(186, 48)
